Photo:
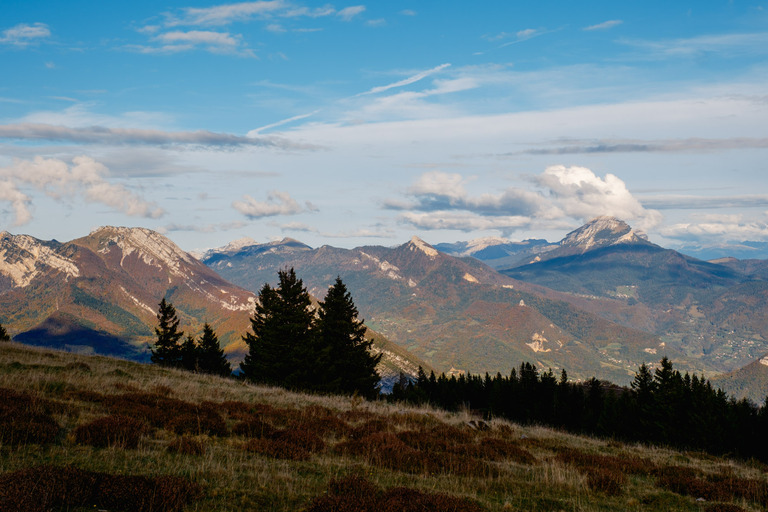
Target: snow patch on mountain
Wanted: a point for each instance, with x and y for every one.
(22, 258)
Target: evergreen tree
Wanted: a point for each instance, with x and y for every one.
(280, 346)
(4, 336)
(167, 351)
(210, 356)
(345, 361)
(189, 354)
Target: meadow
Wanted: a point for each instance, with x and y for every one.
(91, 433)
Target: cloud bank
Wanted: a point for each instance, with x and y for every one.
(439, 200)
(84, 177)
(134, 136)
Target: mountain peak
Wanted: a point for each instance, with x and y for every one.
(152, 247)
(601, 232)
(417, 244)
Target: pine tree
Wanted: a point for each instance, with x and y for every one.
(280, 346)
(189, 354)
(344, 359)
(167, 351)
(4, 336)
(210, 356)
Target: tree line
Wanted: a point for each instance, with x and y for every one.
(660, 407)
(291, 343)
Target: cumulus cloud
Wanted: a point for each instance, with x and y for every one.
(25, 34)
(439, 200)
(582, 194)
(277, 203)
(84, 177)
(133, 136)
(604, 25)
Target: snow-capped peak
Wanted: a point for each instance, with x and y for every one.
(417, 244)
(602, 231)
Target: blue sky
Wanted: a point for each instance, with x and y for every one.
(352, 124)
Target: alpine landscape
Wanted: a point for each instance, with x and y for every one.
(290, 255)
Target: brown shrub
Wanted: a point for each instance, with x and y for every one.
(373, 426)
(22, 427)
(185, 445)
(201, 422)
(607, 481)
(628, 464)
(144, 494)
(78, 367)
(350, 494)
(493, 448)
(112, 430)
(685, 481)
(294, 444)
(323, 425)
(44, 488)
(403, 499)
(723, 507)
(356, 494)
(253, 426)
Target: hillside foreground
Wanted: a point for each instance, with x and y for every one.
(87, 432)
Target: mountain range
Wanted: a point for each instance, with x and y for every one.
(598, 303)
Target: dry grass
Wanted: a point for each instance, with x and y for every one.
(235, 446)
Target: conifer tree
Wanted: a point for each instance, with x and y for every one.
(167, 351)
(345, 360)
(4, 336)
(280, 346)
(210, 356)
(189, 354)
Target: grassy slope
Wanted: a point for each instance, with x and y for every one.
(236, 479)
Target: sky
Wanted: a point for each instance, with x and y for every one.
(354, 124)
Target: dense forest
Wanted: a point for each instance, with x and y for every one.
(661, 407)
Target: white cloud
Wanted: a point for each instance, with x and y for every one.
(19, 202)
(440, 200)
(195, 37)
(408, 12)
(348, 13)
(62, 181)
(225, 14)
(726, 228)
(277, 203)
(755, 43)
(604, 25)
(407, 81)
(131, 136)
(583, 195)
(25, 34)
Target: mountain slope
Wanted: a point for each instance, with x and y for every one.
(99, 294)
(457, 314)
(708, 311)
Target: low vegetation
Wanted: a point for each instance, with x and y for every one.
(106, 434)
